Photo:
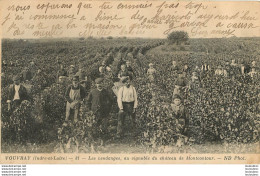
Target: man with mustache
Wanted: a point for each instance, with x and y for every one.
(99, 101)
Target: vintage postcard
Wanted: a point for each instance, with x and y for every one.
(130, 82)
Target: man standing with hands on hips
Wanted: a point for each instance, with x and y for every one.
(127, 103)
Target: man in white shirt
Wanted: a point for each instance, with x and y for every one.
(127, 103)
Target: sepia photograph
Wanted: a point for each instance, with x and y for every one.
(130, 95)
(188, 88)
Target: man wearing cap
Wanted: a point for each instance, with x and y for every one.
(99, 101)
(127, 103)
(74, 95)
(16, 94)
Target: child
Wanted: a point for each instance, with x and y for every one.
(179, 113)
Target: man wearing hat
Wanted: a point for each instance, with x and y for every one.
(16, 94)
(99, 101)
(74, 95)
(127, 103)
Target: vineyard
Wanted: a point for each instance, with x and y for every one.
(223, 112)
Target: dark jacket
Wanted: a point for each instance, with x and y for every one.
(99, 101)
(22, 93)
(82, 93)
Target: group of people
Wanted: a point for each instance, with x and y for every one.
(235, 68)
(100, 100)
(190, 81)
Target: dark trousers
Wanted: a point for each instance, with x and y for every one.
(15, 104)
(128, 109)
(100, 126)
